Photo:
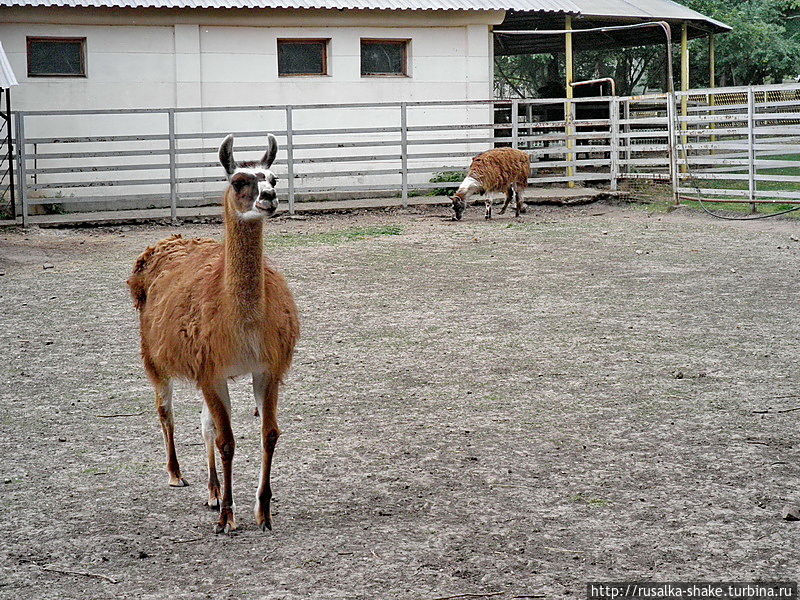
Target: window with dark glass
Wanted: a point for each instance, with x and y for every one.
(56, 57)
(384, 57)
(302, 57)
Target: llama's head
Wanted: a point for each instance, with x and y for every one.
(467, 188)
(252, 185)
(459, 206)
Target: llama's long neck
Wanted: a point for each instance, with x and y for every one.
(244, 266)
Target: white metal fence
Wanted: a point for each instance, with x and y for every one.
(721, 144)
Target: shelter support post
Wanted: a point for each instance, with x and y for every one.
(569, 129)
(684, 88)
(712, 61)
(712, 74)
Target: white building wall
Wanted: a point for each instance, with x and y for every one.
(150, 58)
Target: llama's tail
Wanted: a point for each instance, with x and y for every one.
(138, 281)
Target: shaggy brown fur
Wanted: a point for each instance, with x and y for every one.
(210, 311)
(496, 170)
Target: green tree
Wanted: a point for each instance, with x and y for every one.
(764, 47)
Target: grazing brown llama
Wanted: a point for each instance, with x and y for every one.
(211, 311)
(497, 170)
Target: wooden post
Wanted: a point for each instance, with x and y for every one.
(712, 61)
(569, 106)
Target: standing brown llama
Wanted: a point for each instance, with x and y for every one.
(496, 170)
(211, 311)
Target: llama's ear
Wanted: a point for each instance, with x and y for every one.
(272, 150)
(226, 155)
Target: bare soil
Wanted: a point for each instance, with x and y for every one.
(514, 406)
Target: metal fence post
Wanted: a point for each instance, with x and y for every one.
(627, 129)
(21, 167)
(290, 157)
(515, 123)
(404, 151)
(672, 143)
(173, 170)
(613, 105)
(751, 150)
(569, 141)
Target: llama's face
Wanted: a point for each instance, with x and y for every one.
(459, 206)
(252, 182)
(467, 188)
(255, 195)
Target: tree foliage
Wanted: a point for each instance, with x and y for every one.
(764, 47)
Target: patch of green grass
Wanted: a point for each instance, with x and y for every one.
(591, 501)
(332, 237)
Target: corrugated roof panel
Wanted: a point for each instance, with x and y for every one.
(558, 6)
(645, 9)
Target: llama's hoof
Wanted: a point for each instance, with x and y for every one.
(502, 211)
(267, 524)
(177, 481)
(227, 521)
(488, 217)
(213, 501)
(263, 518)
(255, 412)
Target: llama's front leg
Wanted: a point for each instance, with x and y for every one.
(219, 406)
(488, 213)
(164, 409)
(209, 437)
(265, 390)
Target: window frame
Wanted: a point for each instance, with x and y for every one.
(35, 38)
(326, 71)
(406, 45)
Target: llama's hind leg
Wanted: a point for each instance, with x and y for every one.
(265, 390)
(219, 407)
(163, 388)
(521, 208)
(509, 198)
(209, 435)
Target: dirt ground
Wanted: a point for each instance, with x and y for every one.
(510, 406)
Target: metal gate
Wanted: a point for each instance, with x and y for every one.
(723, 144)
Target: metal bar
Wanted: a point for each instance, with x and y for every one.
(751, 154)
(598, 80)
(626, 135)
(613, 109)
(569, 75)
(515, 124)
(404, 153)
(290, 157)
(10, 138)
(673, 166)
(173, 173)
(23, 178)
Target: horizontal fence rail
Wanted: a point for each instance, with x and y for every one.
(721, 144)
